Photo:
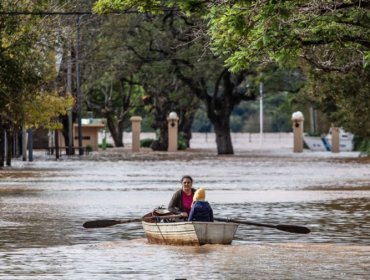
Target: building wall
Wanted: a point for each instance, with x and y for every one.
(89, 136)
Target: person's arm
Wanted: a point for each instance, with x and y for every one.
(211, 215)
(174, 205)
(191, 214)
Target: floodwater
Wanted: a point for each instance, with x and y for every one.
(44, 203)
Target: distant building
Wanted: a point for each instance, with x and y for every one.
(90, 131)
(43, 138)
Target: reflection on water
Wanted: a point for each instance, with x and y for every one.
(43, 209)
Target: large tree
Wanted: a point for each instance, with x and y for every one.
(177, 68)
(132, 77)
(331, 37)
(27, 71)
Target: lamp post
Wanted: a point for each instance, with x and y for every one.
(78, 85)
(261, 114)
(69, 90)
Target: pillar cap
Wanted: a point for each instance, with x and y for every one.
(136, 118)
(172, 116)
(297, 116)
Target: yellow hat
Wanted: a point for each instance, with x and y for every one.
(199, 194)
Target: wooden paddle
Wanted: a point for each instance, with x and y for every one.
(108, 223)
(287, 228)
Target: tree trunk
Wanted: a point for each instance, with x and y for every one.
(9, 148)
(57, 155)
(2, 144)
(30, 145)
(161, 144)
(185, 127)
(228, 91)
(161, 106)
(17, 144)
(223, 137)
(120, 127)
(116, 130)
(65, 132)
(219, 108)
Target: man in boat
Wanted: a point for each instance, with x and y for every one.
(201, 210)
(182, 199)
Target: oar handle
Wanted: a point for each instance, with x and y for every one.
(108, 223)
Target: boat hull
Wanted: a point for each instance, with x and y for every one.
(190, 233)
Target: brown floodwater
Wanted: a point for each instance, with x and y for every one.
(43, 205)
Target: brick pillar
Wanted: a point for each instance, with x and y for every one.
(297, 119)
(335, 140)
(173, 123)
(136, 129)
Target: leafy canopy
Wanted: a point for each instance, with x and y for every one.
(45, 108)
(271, 30)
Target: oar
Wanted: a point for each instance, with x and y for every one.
(287, 228)
(108, 223)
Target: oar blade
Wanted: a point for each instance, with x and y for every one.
(101, 223)
(293, 229)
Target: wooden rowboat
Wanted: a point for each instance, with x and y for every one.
(162, 228)
(189, 233)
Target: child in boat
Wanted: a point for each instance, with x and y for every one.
(201, 210)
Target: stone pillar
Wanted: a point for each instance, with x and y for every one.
(297, 119)
(173, 122)
(335, 139)
(136, 129)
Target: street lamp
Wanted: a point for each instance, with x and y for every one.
(261, 113)
(69, 91)
(78, 85)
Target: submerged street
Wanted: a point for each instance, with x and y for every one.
(44, 203)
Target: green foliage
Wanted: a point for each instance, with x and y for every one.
(107, 145)
(277, 110)
(152, 6)
(362, 145)
(27, 67)
(44, 110)
(281, 31)
(89, 149)
(104, 6)
(146, 143)
(181, 143)
(343, 97)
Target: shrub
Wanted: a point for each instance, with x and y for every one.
(88, 149)
(146, 143)
(108, 145)
(181, 143)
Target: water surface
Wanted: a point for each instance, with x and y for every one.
(43, 205)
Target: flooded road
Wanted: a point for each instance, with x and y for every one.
(43, 205)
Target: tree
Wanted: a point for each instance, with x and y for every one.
(175, 66)
(115, 101)
(27, 70)
(329, 36)
(121, 85)
(343, 97)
